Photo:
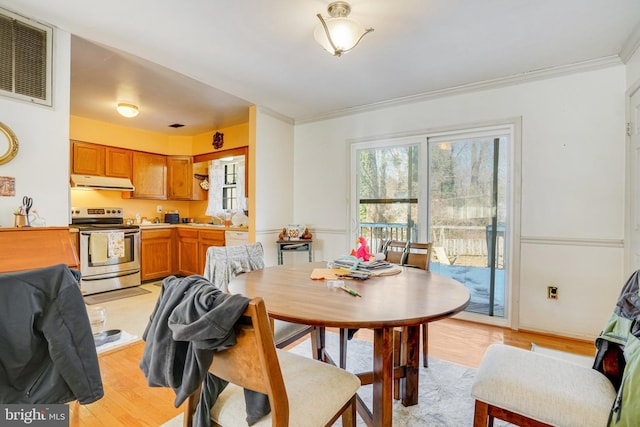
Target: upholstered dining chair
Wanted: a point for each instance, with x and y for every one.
(223, 263)
(300, 391)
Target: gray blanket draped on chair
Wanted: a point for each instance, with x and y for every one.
(223, 263)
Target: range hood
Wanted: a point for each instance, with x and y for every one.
(101, 183)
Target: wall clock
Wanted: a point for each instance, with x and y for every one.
(8, 144)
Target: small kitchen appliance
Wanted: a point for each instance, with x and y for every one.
(172, 218)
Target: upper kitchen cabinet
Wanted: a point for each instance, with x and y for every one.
(100, 160)
(87, 159)
(117, 162)
(149, 176)
(179, 178)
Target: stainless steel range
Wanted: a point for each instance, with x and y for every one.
(109, 249)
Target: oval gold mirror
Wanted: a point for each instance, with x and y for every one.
(8, 144)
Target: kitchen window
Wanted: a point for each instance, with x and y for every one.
(229, 188)
(226, 186)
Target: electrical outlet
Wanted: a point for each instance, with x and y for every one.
(159, 208)
(552, 292)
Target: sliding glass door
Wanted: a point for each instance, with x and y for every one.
(387, 182)
(451, 190)
(468, 215)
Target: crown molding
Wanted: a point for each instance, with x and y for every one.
(630, 45)
(269, 112)
(547, 73)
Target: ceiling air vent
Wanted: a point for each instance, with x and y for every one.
(25, 58)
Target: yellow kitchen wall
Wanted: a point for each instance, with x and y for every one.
(98, 132)
(234, 137)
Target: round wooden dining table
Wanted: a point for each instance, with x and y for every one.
(407, 299)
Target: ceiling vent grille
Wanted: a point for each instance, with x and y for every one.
(25, 59)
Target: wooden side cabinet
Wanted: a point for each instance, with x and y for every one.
(88, 159)
(149, 176)
(188, 252)
(156, 256)
(179, 178)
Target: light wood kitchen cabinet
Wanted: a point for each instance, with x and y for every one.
(100, 160)
(208, 238)
(149, 176)
(188, 252)
(179, 178)
(117, 162)
(87, 159)
(156, 253)
(192, 248)
(181, 250)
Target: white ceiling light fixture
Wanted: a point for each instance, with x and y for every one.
(338, 34)
(127, 110)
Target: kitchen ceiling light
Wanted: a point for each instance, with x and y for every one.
(127, 110)
(339, 34)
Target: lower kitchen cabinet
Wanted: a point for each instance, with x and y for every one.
(176, 251)
(205, 239)
(188, 252)
(156, 249)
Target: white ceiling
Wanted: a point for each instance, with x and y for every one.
(241, 52)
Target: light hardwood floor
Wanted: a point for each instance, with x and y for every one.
(128, 401)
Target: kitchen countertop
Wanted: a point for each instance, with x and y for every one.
(192, 225)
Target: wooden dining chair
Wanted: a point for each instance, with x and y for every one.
(223, 263)
(301, 391)
(418, 255)
(395, 251)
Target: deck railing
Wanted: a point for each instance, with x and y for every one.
(448, 237)
(376, 232)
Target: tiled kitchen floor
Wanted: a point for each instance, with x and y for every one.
(131, 314)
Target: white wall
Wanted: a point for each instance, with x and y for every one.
(41, 167)
(274, 179)
(572, 201)
(633, 69)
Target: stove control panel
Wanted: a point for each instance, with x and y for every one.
(97, 212)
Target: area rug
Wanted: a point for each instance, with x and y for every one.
(444, 398)
(114, 295)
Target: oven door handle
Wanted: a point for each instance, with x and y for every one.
(126, 233)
